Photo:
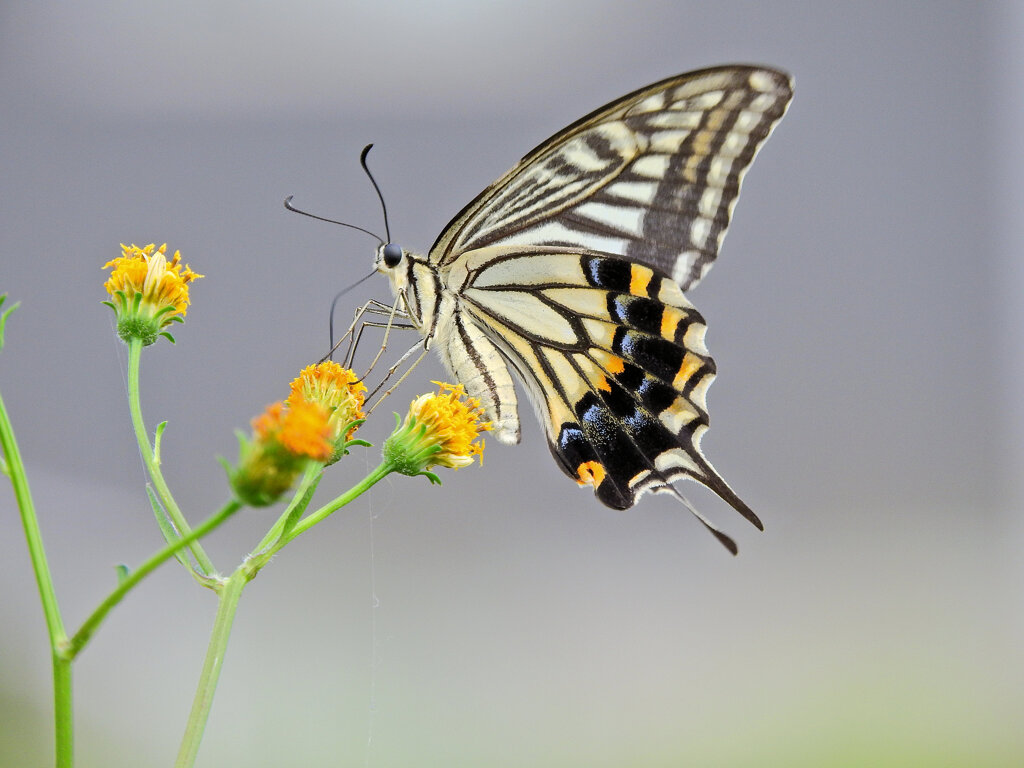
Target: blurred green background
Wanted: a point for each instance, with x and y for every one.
(865, 315)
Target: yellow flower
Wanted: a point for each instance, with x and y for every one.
(148, 291)
(337, 389)
(285, 437)
(440, 430)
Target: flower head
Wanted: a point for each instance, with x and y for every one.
(440, 430)
(284, 438)
(339, 391)
(148, 291)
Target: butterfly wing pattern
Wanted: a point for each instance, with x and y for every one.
(571, 269)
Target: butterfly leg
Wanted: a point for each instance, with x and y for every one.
(372, 306)
(364, 324)
(418, 345)
(392, 313)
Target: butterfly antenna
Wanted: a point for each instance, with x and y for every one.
(293, 209)
(362, 162)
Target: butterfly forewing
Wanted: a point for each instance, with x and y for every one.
(652, 176)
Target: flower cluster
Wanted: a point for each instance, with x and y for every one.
(315, 423)
(148, 291)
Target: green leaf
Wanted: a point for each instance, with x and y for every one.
(123, 572)
(167, 528)
(3, 317)
(156, 441)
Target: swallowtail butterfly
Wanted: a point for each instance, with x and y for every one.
(570, 272)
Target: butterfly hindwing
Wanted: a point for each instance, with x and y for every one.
(613, 356)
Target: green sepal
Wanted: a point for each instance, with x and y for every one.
(123, 572)
(225, 464)
(434, 479)
(168, 336)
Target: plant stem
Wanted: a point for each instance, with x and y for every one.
(62, 701)
(82, 636)
(382, 471)
(228, 603)
(300, 500)
(231, 590)
(173, 511)
(63, 707)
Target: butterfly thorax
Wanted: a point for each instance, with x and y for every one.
(431, 296)
(415, 285)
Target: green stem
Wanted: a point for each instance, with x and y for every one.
(173, 511)
(63, 712)
(280, 534)
(82, 636)
(300, 500)
(226, 608)
(64, 724)
(382, 471)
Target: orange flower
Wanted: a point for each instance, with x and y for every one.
(285, 437)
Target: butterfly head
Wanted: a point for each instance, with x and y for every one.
(392, 260)
(389, 256)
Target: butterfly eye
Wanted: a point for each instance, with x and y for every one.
(392, 255)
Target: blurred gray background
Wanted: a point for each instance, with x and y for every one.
(865, 315)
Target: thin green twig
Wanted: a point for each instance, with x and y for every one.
(153, 466)
(82, 636)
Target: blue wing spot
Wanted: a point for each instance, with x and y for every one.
(612, 274)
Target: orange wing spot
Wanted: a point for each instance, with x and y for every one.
(670, 322)
(602, 383)
(690, 365)
(615, 365)
(590, 473)
(639, 279)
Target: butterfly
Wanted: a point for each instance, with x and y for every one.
(569, 273)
